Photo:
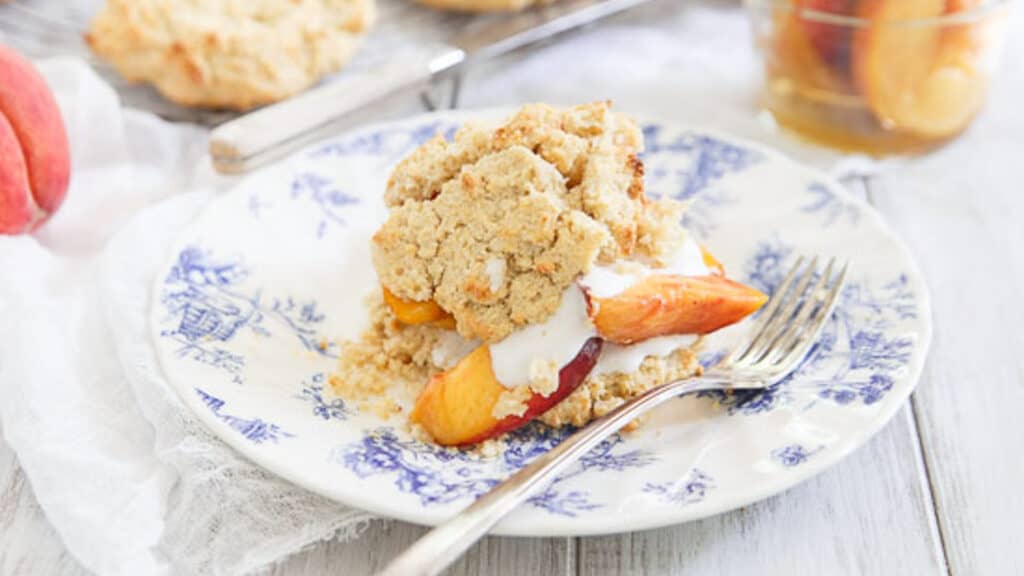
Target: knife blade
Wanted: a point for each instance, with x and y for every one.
(258, 137)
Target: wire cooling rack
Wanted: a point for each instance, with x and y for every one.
(55, 28)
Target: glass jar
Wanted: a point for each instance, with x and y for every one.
(878, 76)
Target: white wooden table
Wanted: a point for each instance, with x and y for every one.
(939, 490)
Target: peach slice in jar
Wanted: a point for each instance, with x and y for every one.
(800, 58)
(457, 406)
(830, 40)
(922, 77)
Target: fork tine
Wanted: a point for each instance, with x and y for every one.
(810, 334)
(779, 322)
(767, 312)
(784, 342)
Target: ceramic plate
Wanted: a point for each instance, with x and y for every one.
(248, 311)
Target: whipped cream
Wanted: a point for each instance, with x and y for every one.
(495, 268)
(608, 281)
(560, 338)
(627, 359)
(450, 348)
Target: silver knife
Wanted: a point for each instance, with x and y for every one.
(271, 132)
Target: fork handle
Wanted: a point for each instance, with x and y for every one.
(444, 544)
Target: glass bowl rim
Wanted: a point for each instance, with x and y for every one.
(969, 15)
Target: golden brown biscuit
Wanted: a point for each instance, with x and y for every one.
(229, 53)
(495, 225)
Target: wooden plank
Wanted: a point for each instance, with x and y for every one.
(384, 540)
(28, 544)
(962, 211)
(870, 514)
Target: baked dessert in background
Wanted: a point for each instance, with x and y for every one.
(484, 5)
(525, 274)
(226, 53)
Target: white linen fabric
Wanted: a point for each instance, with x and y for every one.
(131, 482)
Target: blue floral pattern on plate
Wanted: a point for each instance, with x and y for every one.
(206, 312)
(692, 489)
(855, 360)
(709, 159)
(247, 312)
(326, 194)
(827, 202)
(439, 475)
(255, 430)
(329, 408)
(793, 455)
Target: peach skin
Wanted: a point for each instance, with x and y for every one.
(660, 305)
(32, 115)
(456, 406)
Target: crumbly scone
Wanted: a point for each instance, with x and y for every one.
(602, 393)
(495, 225)
(484, 5)
(387, 353)
(229, 53)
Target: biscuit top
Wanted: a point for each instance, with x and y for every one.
(228, 53)
(495, 225)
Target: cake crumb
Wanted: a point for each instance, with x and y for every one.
(419, 433)
(491, 448)
(388, 358)
(543, 376)
(512, 402)
(600, 394)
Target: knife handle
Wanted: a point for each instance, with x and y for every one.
(268, 133)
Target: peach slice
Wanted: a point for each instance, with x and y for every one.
(797, 55)
(456, 406)
(663, 304)
(919, 78)
(413, 312)
(711, 262)
(830, 41)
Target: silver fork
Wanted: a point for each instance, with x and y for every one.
(784, 332)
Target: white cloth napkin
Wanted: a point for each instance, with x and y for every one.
(131, 483)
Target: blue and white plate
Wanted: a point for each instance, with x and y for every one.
(248, 311)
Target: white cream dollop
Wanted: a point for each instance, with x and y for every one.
(558, 339)
(495, 268)
(627, 359)
(608, 281)
(450, 348)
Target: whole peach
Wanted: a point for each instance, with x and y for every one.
(35, 164)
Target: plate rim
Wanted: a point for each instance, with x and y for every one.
(548, 526)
